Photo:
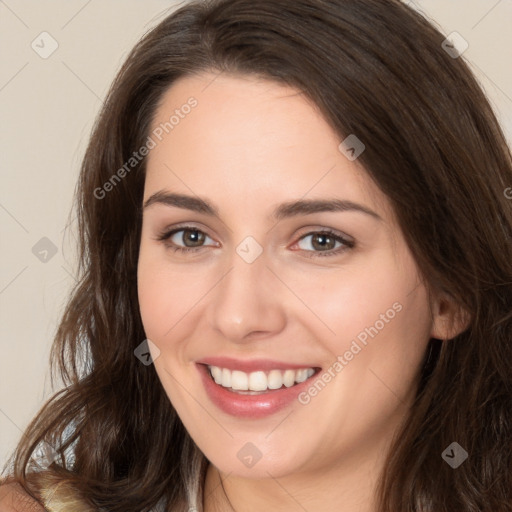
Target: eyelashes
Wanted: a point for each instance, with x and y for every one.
(321, 236)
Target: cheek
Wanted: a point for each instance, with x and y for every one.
(377, 303)
(345, 302)
(157, 302)
(168, 294)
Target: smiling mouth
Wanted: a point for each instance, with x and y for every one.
(259, 382)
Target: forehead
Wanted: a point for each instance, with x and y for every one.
(253, 134)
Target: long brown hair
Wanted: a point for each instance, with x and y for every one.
(433, 145)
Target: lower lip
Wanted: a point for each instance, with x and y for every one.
(250, 406)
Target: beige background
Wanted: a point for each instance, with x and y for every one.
(47, 108)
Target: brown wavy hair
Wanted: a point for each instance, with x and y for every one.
(433, 146)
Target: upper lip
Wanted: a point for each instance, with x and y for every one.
(252, 365)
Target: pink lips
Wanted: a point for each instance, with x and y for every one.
(250, 406)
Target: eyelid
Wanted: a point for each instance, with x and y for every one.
(169, 231)
(165, 236)
(322, 229)
(347, 241)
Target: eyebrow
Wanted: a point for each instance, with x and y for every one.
(283, 211)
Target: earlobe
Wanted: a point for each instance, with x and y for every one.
(449, 318)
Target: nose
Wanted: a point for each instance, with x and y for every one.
(247, 302)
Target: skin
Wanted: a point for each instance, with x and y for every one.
(13, 498)
(248, 146)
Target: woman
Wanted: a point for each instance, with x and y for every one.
(295, 274)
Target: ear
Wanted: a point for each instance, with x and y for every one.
(449, 318)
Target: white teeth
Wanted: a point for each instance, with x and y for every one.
(259, 380)
(275, 379)
(302, 375)
(216, 374)
(289, 378)
(239, 380)
(226, 377)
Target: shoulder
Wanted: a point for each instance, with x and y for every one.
(13, 498)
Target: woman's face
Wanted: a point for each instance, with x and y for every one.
(295, 262)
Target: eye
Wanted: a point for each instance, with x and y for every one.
(324, 243)
(184, 239)
(321, 243)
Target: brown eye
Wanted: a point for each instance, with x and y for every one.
(324, 243)
(191, 237)
(185, 239)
